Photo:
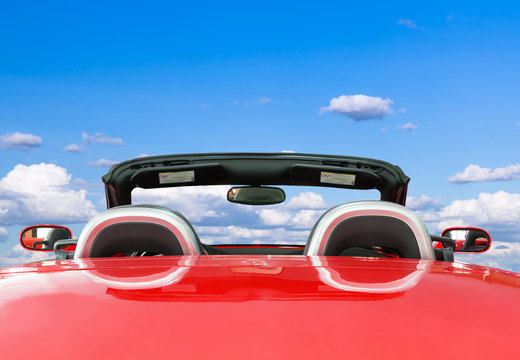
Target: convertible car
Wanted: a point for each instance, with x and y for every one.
(178, 266)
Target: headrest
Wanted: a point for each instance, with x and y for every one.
(370, 224)
(141, 228)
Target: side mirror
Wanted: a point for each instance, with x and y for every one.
(468, 239)
(43, 237)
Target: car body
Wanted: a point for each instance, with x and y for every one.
(258, 301)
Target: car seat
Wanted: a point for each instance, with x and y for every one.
(377, 226)
(144, 229)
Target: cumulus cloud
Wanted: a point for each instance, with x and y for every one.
(74, 148)
(3, 234)
(196, 203)
(42, 193)
(102, 163)
(498, 213)
(208, 205)
(475, 173)
(99, 138)
(274, 217)
(497, 210)
(300, 212)
(301, 219)
(307, 200)
(18, 255)
(423, 202)
(411, 24)
(241, 235)
(502, 255)
(408, 126)
(360, 107)
(20, 141)
(305, 219)
(264, 100)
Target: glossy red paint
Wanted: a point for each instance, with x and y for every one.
(257, 307)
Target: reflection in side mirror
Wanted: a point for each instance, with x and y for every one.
(256, 195)
(468, 239)
(43, 237)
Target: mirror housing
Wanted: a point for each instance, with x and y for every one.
(468, 239)
(43, 237)
(256, 195)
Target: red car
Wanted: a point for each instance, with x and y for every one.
(142, 282)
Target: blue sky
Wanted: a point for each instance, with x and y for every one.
(83, 86)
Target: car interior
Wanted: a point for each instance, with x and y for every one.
(382, 228)
(358, 229)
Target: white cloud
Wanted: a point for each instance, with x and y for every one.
(274, 217)
(411, 24)
(74, 148)
(241, 235)
(305, 219)
(3, 234)
(497, 210)
(300, 212)
(360, 107)
(402, 110)
(502, 255)
(209, 204)
(450, 18)
(407, 127)
(423, 202)
(264, 100)
(196, 203)
(42, 193)
(20, 141)
(301, 219)
(102, 163)
(99, 138)
(18, 255)
(307, 200)
(475, 173)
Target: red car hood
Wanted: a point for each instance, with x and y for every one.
(257, 307)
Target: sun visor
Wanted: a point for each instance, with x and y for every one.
(336, 176)
(179, 175)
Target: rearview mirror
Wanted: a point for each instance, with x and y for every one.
(468, 239)
(43, 237)
(256, 195)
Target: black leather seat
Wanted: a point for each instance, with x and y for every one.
(139, 229)
(366, 227)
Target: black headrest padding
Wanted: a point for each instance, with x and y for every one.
(135, 236)
(373, 230)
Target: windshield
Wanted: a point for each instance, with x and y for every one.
(218, 221)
